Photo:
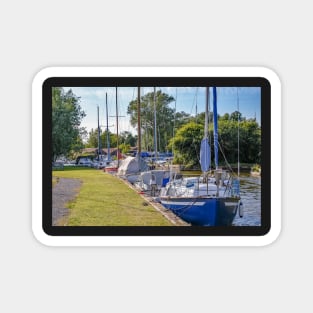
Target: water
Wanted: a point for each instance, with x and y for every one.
(250, 189)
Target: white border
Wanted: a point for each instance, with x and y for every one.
(270, 237)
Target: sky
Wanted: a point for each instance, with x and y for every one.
(188, 99)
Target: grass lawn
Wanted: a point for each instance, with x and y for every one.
(104, 200)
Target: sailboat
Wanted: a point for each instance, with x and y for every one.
(153, 179)
(206, 200)
(132, 167)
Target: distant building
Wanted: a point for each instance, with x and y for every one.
(104, 151)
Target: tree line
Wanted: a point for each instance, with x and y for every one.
(186, 143)
(177, 132)
(125, 140)
(67, 115)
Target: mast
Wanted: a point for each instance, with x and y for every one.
(196, 103)
(155, 127)
(209, 123)
(99, 141)
(238, 134)
(139, 129)
(117, 116)
(205, 154)
(117, 154)
(174, 123)
(206, 113)
(108, 135)
(215, 127)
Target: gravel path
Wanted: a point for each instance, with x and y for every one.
(64, 191)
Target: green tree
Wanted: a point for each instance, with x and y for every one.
(235, 116)
(186, 144)
(92, 141)
(124, 147)
(164, 117)
(225, 117)
(112, 139)
(76, 148)
(182, 118)
(250, 141)
(127, 138)
(228, 139)
(66, 119)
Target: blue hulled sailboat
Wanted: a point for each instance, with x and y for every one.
(209, 200)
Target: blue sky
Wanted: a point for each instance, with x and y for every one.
(189, 100)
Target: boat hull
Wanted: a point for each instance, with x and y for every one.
(203, 211)
(110, 169)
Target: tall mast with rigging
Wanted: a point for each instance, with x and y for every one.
(215, 134)
(238, 134)
(155, 125)
(205, 154)
(108, 135)
(139, 128)
(116, 108)
(117, 116)
(99, 139)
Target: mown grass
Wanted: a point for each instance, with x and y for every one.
(104, 200)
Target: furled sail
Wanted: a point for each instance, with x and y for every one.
(205, 155)
(215, 135)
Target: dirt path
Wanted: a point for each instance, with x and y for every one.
(64, 191)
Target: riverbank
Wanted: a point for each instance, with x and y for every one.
(173, 218)
(105, 200)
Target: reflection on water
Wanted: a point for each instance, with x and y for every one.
(250, 188)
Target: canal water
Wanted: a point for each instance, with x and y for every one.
(250, 189)
(250, 192)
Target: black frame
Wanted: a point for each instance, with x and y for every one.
(157, 230)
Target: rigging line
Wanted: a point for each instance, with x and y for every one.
(238, 133)
(196, 150)
(194, 98)
(134, 93)
(196, 104)
(185, 208)
(174, 124)
(129, 127)
(228, 165)
(209, 122)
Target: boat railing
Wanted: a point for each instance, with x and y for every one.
(227, 184)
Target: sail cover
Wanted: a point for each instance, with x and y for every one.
(215, 134)
(205, 155)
